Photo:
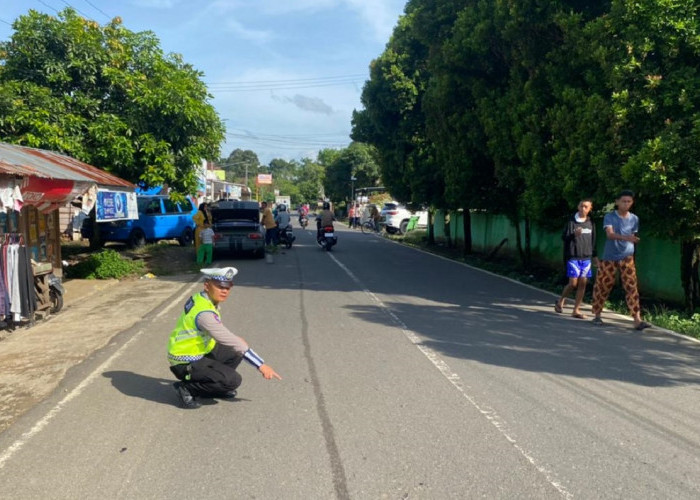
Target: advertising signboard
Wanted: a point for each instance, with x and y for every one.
(264, 179)
(116, 205)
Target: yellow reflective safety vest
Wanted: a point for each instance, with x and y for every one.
(187, 343)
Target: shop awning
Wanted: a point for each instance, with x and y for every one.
(51, 179)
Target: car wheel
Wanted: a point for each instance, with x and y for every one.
(137, 239)
(187, 237)
(403, 227)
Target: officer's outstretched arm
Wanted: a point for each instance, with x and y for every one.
(252, 357)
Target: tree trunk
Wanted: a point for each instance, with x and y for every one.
(690, 263)
(467, 226)
(528, 243)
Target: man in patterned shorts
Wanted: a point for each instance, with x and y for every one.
(621, 228)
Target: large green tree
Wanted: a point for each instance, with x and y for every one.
(107, 96)
(241, 165)
(358, 160)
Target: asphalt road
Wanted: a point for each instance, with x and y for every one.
(405, 376)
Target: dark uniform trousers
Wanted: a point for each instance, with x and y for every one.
(213, 375)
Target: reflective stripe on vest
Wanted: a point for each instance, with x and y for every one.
(187, 343)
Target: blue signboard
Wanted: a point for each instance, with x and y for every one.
(116, 205)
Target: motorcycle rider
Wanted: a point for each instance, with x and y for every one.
(325, 218)
(303, 214)
(282, 219)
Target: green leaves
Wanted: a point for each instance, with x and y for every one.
(107, 96)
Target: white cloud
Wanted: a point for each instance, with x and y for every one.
(253, 35)
(306, 103)
(380, 15)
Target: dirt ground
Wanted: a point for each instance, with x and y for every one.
(164, 258)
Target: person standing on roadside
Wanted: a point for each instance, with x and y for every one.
(201, 218)
(579, 255)
(621, 230)
(268, 221)
(202, 352)
(351, 215)
(205, 253)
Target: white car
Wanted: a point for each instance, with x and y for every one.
(395, 217)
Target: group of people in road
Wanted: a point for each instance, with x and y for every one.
(622, 235)
(356, 211)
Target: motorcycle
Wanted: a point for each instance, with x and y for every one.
(286, 237)
(303, 221)
(326, 238)
(49, 289)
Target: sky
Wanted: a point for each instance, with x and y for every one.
(285, 75)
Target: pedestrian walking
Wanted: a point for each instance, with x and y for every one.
(579, 255)
(622, 233)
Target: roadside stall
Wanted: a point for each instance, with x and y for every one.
(34, 183)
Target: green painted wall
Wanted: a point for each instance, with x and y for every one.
(658, 261)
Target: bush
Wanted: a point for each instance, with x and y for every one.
(104, 265)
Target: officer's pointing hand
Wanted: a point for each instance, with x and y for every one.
(268, 372)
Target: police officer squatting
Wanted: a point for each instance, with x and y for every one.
(202, 352)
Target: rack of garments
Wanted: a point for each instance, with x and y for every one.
(17, 294)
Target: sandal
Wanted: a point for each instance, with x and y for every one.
(557, 308)
(578, 316)
(642, 326)
(597, 321)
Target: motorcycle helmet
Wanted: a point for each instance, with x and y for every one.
(326, 205)
(282, 207)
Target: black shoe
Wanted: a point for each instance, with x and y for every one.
(228, 396)
(186, 398)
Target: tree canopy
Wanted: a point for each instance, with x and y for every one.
(523, 108)
(107, 96)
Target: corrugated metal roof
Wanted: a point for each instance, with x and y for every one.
(21, 160)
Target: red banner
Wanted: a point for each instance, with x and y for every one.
(38, 190)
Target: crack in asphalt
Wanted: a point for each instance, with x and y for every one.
(338, 471)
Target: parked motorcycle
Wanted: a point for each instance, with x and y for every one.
(303, 221)
(49, 289)
(286, 237)
(326, 238)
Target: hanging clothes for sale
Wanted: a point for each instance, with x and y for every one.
(4, 299)
(26, 282)
(13, 281)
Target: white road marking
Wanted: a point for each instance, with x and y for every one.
(44, 421)
(489, 413)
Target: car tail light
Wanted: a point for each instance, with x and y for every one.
(255, 236)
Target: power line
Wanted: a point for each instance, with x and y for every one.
(290, 87)
(47, 5)
(296, 80)
(76, 9)
(98, 9)
(3, 21)
(272, 139)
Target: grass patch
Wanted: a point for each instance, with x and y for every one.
(664, 315)
(105, 264)
(161, 259)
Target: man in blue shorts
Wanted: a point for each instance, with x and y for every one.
(579, 255)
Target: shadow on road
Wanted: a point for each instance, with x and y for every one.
(465, 313)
